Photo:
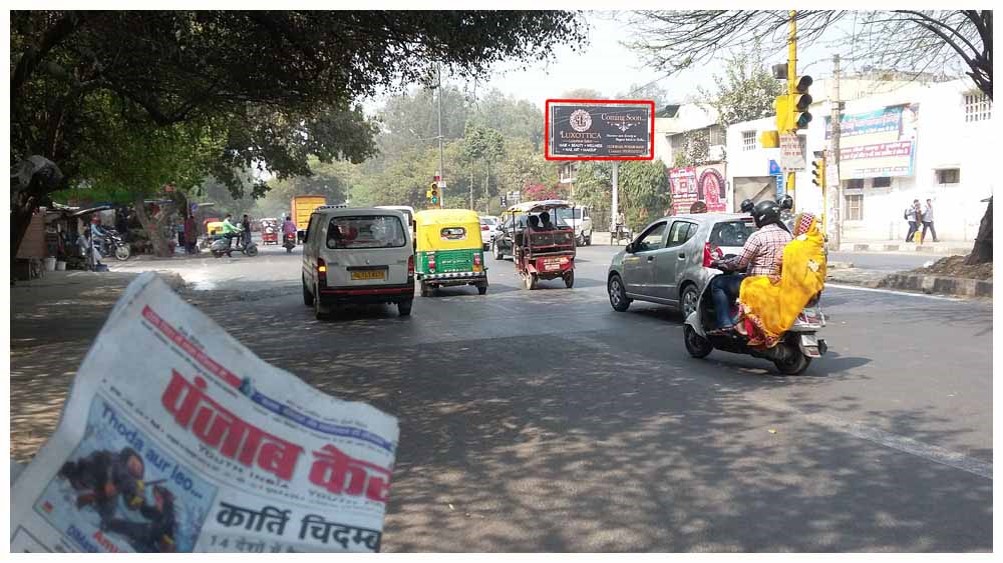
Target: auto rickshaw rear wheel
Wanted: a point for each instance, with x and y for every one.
(569, 279)
(530, 281)
(482, 288)
(427, 290)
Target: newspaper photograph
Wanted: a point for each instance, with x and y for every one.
(177, 438)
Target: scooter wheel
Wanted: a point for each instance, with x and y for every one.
(696, 345)
(795, 364)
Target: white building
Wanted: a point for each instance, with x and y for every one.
(670, 131)
(913, 141)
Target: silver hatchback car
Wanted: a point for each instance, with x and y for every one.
(664, 264)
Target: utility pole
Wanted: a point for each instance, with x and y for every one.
(837, 107)
(792, 79)
(616, 192)
(442, 177)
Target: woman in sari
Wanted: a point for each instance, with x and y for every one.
(769, 305)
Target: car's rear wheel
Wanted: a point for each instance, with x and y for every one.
(320, 311)
(404, 307)
(588, 240)
(696, 345)
(688, 300)
(617, 294)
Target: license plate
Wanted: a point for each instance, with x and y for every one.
(548, 265)
(369, 275)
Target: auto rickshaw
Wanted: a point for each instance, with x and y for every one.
(213, 229)
(543, 244)
(448, 250)
(270, 231)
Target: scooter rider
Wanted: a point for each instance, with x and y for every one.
(761, 255)
(229, 230)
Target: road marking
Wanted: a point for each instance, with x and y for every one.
(892, 292)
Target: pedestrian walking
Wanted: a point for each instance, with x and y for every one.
(914, 215)
(928, 222)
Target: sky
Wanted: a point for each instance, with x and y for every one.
(611, 68)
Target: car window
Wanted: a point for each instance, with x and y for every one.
(731, 233)
(489, 221)
(453, 233)
(310, 227)
(366, 231)
(680, 232)
(651, 239)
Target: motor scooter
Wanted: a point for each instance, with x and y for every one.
(289, 241)
(221, 246)
(791, 356)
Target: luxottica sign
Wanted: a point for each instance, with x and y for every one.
(599, 129)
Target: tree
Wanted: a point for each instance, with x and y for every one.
(282, 85)
(643, 191)
(982, 251)
(651, 91)
(696, 149)
(593, 184)
(746, 92)
(959, 40)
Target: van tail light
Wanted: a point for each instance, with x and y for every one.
(431, 262)
(410, 266)
(321, 272)
(710, 252)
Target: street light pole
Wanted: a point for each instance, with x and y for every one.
(442, 178)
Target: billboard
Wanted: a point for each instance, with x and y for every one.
(599, 130)
(877, 143)
(693, 184)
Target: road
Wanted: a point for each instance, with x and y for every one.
(545, 421)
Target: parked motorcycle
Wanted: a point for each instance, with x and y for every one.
(221, 246)
(115, 246)
(792, 355)
(289, 241)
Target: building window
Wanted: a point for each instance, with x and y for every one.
(949, 176)
(748, 140)
(715, 135)
(855, 184)
(978, 107)
(882, 182)
(854, 207)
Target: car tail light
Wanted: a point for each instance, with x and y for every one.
(410, 266)
(321, 271)
(431, 262)
(710, 252)
(484, 228)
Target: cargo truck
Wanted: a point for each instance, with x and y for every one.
(302, 207)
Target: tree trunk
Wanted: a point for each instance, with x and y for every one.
(152, 225)
(22, 208)
(982, 252)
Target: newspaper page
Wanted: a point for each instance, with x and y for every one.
(177, 438)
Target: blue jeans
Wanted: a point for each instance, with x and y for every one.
(724, 290)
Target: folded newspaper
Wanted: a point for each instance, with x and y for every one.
(177, 438)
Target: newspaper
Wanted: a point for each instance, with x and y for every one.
(177, 438)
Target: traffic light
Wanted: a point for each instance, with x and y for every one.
(783, 107)
(769, 139)
(818, 172)
(433, 193)
(800, 102)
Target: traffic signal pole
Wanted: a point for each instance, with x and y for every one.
(438, 70)
(792, 79)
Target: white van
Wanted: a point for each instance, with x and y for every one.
(357, 255)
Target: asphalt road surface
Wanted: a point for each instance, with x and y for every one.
(545, 421)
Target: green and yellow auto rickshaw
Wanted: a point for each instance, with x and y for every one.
(448, 250)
